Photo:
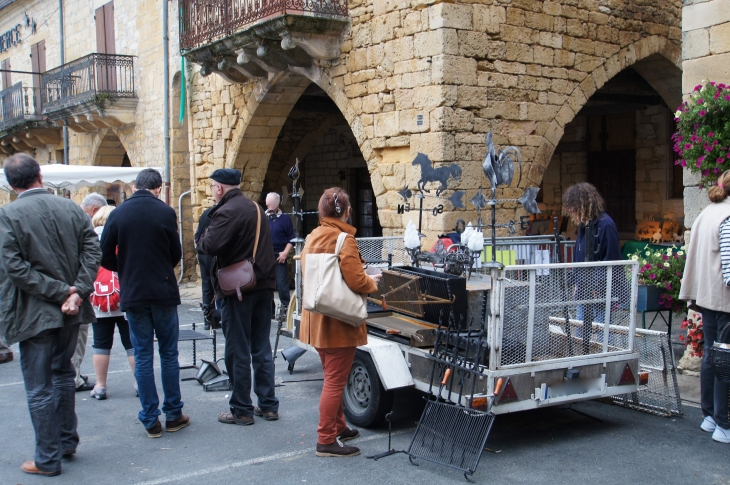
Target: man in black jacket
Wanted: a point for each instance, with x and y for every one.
(141, 243)
(231, 238)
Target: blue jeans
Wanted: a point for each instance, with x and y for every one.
(282, 284)
(246, 326)
(144, 323)
(50, 386)
(713, 393)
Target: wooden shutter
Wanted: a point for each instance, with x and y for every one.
(38, 64)
(105, 37)
(6, 75)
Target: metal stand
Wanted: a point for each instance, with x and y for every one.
(391, 451)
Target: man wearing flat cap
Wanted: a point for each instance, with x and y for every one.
(231, 237)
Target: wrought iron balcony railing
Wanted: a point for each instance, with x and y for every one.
(202, 21)
(19, 104)
(96, 78)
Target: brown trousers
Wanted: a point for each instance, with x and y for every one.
(336, 364)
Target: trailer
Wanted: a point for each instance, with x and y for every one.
(549, 334)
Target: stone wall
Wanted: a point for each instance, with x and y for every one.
(434, 78)
(705, 56)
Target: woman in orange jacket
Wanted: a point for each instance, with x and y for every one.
(335, 341)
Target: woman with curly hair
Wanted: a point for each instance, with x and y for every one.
(597, 241)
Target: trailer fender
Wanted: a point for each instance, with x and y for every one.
(390, 362)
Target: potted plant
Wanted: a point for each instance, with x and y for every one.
(702, 139)
(660, 276)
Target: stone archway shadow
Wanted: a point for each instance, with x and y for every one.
(655, 58)
(267, 109)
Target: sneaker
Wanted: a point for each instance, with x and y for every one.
(230, 418)
(349, 434)
(721, 435)
(98, 393)
(155, 431)
(267, 415)
(177, 424)
(708, 424)
(336, 449)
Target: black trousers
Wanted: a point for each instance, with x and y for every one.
(247, 328)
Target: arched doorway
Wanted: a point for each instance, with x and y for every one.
(317, 133)
(620, 141)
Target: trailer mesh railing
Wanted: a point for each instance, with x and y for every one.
(376, 250)
(560, 311)
(528, 250)
(660, 395)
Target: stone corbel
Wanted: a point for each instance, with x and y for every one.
(32, 141)
(49, 137)
(19, 145)
(323, 47)
(97, 121)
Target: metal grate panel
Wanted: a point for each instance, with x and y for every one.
(661, 394)
(376, 250)
(436, 441)
(559, 311)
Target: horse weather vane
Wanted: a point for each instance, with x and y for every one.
(429, 173)
(499, 167)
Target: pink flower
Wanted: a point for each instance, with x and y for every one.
(683, 162)
(652, 276)
(727, 97)
(711, 134)
(720, 159)
(705, 172)
(721, 86)
(687, 146)
(700, 160)
(665, 257)
(698, 87)
(701, 100)
(703, 113)
(678, 273)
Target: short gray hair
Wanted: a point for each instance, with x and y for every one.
(274, 194)
(94, 199)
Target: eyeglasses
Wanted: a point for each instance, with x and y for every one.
(212, 186)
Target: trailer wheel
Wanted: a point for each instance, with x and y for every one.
(366, 402)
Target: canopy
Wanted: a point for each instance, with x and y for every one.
(73, 177)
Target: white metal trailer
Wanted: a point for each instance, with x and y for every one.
(548, 341)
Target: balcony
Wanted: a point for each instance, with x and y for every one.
(22, 125)
(244, 40)
(91, 93)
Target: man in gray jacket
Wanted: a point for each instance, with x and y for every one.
(50, 256)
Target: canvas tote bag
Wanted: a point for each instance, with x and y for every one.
(326, 292)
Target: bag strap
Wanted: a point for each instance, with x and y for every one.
(258, 232)
(340, 243)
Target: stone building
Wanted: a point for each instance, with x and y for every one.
(584, 88)
(355, 90)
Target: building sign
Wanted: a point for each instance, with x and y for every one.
(10, 38)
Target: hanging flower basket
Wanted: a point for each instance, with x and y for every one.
(660, 276)
(702, 139)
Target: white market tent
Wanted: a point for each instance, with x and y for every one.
(73, 177)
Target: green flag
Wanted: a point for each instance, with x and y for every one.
(182, 92)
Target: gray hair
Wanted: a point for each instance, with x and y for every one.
(274, 194)
(94, 199)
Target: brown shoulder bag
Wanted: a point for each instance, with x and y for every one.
(240, 278)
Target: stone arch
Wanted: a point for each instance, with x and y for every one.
(653, 53)
(109, 150)
(266, 111)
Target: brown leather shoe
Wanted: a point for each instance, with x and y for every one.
(29, 467)
(267, 415)
(177, 424)
(229, 418)
(336, 449)
(6, 357)
(155, 431)
(349, 434)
